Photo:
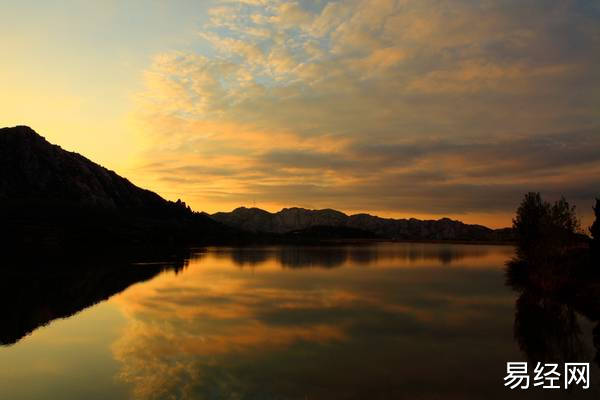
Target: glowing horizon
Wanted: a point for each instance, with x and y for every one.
(395, 108)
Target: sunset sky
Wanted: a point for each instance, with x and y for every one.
(399, 108)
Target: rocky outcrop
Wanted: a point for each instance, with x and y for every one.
(286, 220)
(295, 219)
(31, 168)
(55, 199)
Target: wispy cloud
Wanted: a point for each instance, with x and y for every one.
(391, 106)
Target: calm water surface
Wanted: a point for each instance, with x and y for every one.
(384, 321)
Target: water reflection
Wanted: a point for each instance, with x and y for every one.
(364, 255)
(549, 317)
(33, 296)
(548, 331)
(391, 321)
(404, 330)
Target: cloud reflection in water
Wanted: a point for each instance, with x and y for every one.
(392, 320)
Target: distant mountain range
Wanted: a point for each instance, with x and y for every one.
(290, 220)
(55, 199)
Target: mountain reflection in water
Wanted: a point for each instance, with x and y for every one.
(33, 296)
(390, 321)
(365, 255)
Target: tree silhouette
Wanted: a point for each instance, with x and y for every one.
(529, 221)
(543, 229)
(595, 228)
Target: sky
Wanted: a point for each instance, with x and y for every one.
(399, 108)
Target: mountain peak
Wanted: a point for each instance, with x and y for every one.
(24, 133)
(18, 129)
(297, 219)
(48, 194)
(34, 169)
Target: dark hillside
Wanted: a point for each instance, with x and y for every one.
(51, 198)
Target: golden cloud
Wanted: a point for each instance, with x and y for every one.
(326, 79)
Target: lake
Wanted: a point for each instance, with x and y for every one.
(377, 321)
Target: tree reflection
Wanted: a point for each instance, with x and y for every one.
(554, 272)
(547, 330)
(547, 324)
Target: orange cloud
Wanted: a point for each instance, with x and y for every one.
(284, 109)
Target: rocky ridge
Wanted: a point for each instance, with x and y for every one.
(295, 219)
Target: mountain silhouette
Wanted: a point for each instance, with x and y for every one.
(52, 198)
(33, 168)
(299, 219)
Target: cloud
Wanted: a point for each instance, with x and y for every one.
(399, 106)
